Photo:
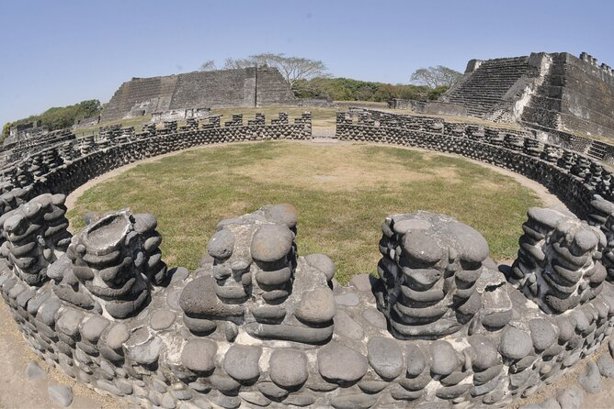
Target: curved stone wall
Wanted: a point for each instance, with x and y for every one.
(259, 325)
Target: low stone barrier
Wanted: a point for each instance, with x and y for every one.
(258, 325)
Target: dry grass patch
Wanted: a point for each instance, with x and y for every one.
(342, 192)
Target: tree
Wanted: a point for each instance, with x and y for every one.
(208, 66)
(434, 77)
(292, 68)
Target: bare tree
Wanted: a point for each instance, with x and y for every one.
(292, 68)
(208, 66)
(434, 77)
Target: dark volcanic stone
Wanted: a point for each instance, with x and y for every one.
(271, 243)
(271, 390)
(224, 384)
(323, 263)
(353, 401)
(515, 344)
(283, 213)
(422, 246)
(116, 336)
(444, 359)
(472, 246)
(415, 360)
(485, 353)
(221, 244)
(241, 362)
(198, 355)
(199, 298)
(385, 357)
(338, 363)
(316, 306)
(300, 399)
(543, 333)
(146, 353)
(69, 321)
(288, 367)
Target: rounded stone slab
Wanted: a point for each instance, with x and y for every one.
(271, 242)
(241, 362)
(316, 306)
(515, 344)
(116, 336)
(422, 246)
(283, 213)
(548, 217)
(198, 355)
(323, 263)
(415, 360)
(386, 357)
(221, 244)
(288, 367)
(444, 359)
(543, 333)
(339, 363)
(485, 353)
(470, 244)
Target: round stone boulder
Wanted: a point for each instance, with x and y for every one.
(241, 362)
(221, 244)
(470, 244)
(386, 357)
(271, 243)
(444, 359)
(198, 355)
(341, 364)
(288, 367)
(415, 360)
(421, 246)
(316, 306)
(543, 333)
(283, 213)
(515, 344)
(323, 263)
(484, 352)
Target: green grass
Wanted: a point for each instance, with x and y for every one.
(342, 193)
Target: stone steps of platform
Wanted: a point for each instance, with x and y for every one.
(597, 150)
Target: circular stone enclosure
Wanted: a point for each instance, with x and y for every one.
(342, 192)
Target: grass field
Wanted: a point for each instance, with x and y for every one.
(342, 193)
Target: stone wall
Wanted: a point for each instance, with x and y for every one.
(260, 325)
(574, 178)
(553, 91)
(246, 87)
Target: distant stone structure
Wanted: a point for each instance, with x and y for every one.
(545, 91)
(245, 87)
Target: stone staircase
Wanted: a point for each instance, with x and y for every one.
(484, 89)
(598, 150)
(153, 93)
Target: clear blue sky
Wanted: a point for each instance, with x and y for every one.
(56, 52)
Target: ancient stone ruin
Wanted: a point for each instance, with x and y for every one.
(555, 93)
(245, 87)
(260, 325)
